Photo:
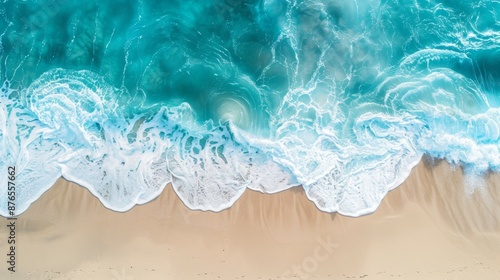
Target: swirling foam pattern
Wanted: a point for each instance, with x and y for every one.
(216, 97)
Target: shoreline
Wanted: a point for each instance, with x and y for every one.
(429, 227)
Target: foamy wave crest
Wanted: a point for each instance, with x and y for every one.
(69, 124)
(347, 157)
(73, 124)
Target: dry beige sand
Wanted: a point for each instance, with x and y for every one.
(431, 227)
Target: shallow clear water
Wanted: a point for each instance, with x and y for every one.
(341, 97)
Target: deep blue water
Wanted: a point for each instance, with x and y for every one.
(217, 96)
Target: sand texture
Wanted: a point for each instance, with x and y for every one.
(434, 226)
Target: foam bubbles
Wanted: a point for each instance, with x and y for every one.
(69, 125)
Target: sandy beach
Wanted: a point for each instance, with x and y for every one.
(432, 227)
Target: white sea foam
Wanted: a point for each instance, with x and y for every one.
(69, 124)
(73, 124)
(341, 98)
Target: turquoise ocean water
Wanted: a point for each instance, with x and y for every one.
(217, 96)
